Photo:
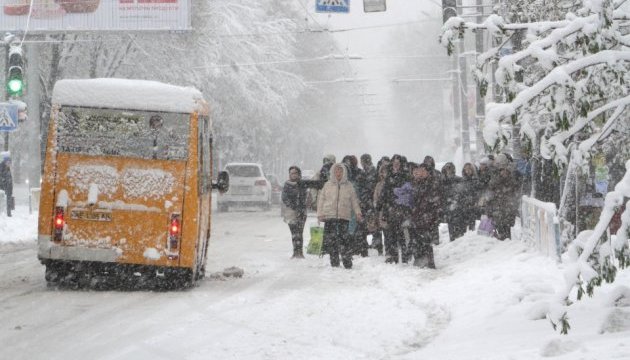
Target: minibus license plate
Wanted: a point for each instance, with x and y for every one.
(97, 215)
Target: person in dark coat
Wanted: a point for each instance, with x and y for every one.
(503, 204)
(294, 199)
(435, 174)
(393, 211)
(425, 215)
(356, 230)
(381, 225)
(436, 177)
(384, 161)
(484, 175)
(371, 176)
(469, 196)
(365, 182)
(452, 211)
(6, 180)
(324, 172)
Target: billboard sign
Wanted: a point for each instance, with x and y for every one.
(95, 15)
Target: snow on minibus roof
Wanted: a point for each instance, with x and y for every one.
(127, 94)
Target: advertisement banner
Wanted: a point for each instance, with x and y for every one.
(94, 15)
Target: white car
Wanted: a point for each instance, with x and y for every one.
(248, 186)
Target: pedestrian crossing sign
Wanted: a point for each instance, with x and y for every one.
(8, 117)
(336, 6)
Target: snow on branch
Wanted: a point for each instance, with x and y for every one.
(456, 26)
(561, 75)
(537, 47)
(581, 268)
(558, 139)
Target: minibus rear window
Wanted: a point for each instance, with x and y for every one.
(110, 132)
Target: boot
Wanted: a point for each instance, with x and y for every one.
(299, 254)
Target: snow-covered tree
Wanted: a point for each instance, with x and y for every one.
(240, 55)
(565, 85)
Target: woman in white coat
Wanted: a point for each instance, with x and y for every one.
(335, 204)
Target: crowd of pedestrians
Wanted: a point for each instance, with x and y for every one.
(400, 204)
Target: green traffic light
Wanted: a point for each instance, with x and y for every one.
(15, 86)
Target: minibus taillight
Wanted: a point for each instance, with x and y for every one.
(174, 232)
(59, 223)
(261, 183)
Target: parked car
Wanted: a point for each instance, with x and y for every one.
(248, 187)
(276, 189)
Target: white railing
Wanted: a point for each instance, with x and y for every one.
(540, 227)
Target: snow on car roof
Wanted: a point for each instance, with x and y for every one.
(127, 94)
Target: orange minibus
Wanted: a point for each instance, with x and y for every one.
(127, 184)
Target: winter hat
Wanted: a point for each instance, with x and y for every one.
(330, 159)
(501, 161)
(366, 158)
(413, 166)
(430, 162)
(299, 171)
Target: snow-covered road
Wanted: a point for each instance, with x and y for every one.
(478, 304)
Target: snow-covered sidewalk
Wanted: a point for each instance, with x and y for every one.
(483, 302)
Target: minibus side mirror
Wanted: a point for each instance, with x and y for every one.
(223, 182)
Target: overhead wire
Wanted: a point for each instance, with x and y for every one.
(318, 24)
(256, 34)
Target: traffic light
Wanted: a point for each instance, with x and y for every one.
(449, 9)
(15, 75)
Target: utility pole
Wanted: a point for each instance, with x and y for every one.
(463, 101)
(33, 99)
(481, 103)
(457, 120)
(6, 63)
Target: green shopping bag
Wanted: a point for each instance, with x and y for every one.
(317, 238)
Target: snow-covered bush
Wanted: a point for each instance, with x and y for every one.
(565, 77)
